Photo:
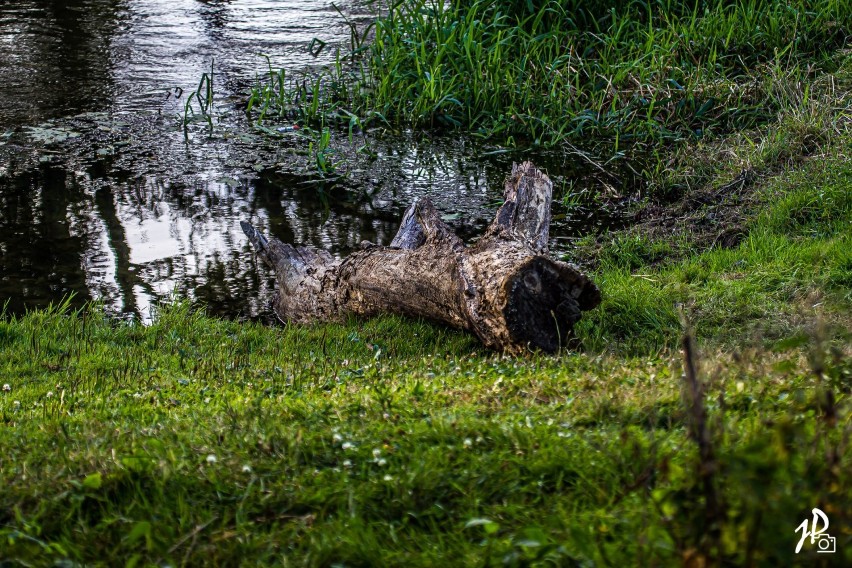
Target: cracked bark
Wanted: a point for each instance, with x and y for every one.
(504, 288)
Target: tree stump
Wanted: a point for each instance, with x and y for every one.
(504, 288)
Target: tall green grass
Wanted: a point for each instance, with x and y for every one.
(552, 71)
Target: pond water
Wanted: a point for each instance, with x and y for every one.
(105, 195)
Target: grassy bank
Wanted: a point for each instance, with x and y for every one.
(198, 441)
(785, 261)
(545, 71)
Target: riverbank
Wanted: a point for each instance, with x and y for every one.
(387, 442)
(706, 414)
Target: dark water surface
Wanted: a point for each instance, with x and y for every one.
(103, 194)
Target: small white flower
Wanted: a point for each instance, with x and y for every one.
(137, 395)
(347, 463)
(347, 446)
(207, 400)
(337, 438)
(17, 404)
(211, 458)
(7, 387)
(246, 468)
(377, 452)
(468, 443)
(382, 462)
(49, 394)
(388, 478)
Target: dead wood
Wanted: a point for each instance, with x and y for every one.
(504, 288)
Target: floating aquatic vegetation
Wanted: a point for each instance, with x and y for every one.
(49, 134)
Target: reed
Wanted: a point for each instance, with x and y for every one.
(200, 99)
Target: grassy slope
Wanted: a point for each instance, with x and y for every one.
(797, 255)
(198, 441)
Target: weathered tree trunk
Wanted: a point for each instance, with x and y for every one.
(504, 288)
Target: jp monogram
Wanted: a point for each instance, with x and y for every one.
(824, 542)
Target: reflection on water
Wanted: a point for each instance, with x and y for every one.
(56, 57)
(42, 215)
(102, 195)
(60, 57)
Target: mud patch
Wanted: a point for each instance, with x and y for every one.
(712, 216)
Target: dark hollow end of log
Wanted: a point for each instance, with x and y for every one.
(505, 288)
(544, 303)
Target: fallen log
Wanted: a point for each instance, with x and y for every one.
(504, 288)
